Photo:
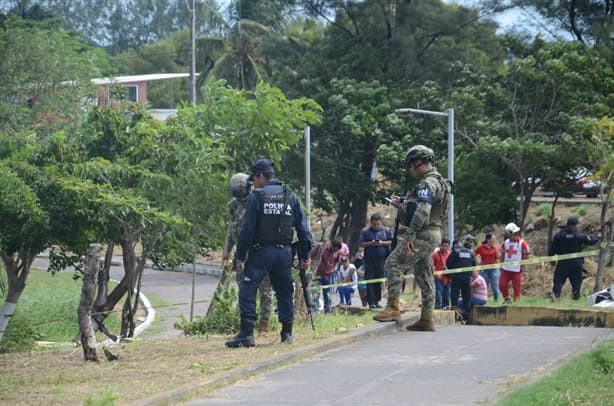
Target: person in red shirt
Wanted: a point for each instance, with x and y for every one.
(485, 254)
(442, 282)
(513, 249)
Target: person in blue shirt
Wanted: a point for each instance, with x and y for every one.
(376, 241)
(273, 212)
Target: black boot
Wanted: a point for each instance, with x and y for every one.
(286, 332)
(245, 338)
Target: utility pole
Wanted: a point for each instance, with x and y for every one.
(450, 115)
(192, 52)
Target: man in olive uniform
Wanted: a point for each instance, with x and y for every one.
(421, 214)
(239, 189)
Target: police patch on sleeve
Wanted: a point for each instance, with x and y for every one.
(424, 194)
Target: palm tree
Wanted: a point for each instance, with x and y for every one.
(236, 53)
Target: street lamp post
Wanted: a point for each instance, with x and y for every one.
(450, 115)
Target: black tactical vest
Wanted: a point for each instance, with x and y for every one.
(464, 258)
(275, 216)
(567, 242)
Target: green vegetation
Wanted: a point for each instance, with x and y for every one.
(580, 210)
(106, 399)
(48, 311)
(586, 380)
(224, 318)
(531, 301)
(544, 209)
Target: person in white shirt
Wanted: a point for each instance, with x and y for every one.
(346, 273)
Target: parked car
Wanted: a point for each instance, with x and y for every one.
(587, 186)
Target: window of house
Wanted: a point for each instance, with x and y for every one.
(132, 93)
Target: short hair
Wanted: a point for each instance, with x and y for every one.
(336, 243)
(445, 241)
(376, 217)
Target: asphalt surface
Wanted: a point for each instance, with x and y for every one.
(461, 365)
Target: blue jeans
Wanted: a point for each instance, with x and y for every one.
(327, 294)
(461, 286)
(491, 276)
(473, 302)
(442, 294)
(345, 294)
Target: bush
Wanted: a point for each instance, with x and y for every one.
(544, 209)
(580, 210)
(20, 336)
(224, 319)
(603, 359)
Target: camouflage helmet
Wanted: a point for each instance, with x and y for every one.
(419, 152)
(239, 185)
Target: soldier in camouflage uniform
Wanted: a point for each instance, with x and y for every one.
(239, 189)
(421, 213)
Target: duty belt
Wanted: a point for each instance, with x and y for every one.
(258, 245)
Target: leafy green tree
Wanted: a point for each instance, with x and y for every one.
(399, 42)
(590, 22)
(358, 118)
(251, 124)
(539, 97)
(600, 148)
(23, 235)
(121, 25)
(40, 69)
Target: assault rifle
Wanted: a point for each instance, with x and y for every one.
(301, 250)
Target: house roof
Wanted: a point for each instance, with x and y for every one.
(138, 78)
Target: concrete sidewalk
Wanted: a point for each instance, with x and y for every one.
(461, 365)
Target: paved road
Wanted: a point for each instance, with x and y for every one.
(454, 366)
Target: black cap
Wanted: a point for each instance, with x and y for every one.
(572, 221)
(261, 166)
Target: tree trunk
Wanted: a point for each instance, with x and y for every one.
(129, 258)
(358, 221)
(91, 352)
(551, 219)
(103, 278)
(526, 193)
(607, 236)
(17, 271)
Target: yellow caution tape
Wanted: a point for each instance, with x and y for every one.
(530, 261)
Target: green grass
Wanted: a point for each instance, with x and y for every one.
(565, 302)
(586, 380)
(580, 210)
(47, 310)
(544, 209)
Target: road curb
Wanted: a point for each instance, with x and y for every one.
(186, 392)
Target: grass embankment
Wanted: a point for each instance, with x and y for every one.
(147, 368)
(585, 380)
(530, 301)
(47, 310)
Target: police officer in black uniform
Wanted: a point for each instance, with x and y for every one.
(273, 210)
(462, 257)
(568, 241)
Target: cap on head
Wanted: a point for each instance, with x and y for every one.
(572, 221)
(512, 228)
(262, 166)
(239, 185)
(468, 238)
(421, 152)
